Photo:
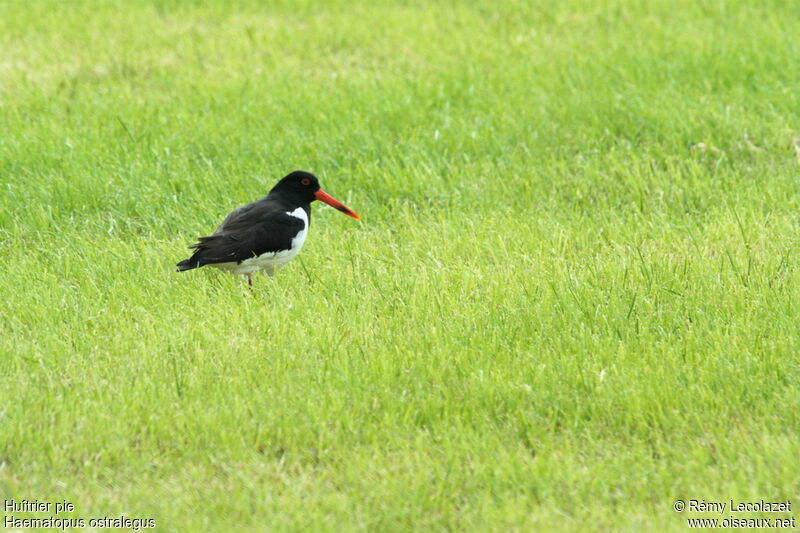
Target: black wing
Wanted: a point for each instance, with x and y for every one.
(249, 231)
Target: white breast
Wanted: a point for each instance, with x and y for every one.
(300, 238)
(270, 261)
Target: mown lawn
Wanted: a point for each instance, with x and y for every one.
(573, 297)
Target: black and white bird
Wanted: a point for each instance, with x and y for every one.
(265, 234)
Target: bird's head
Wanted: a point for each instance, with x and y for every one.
(304, 186)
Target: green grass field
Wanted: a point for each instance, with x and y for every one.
(573, 297)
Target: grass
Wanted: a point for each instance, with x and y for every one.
(572, 299)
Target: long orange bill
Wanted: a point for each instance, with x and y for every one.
(322, 196)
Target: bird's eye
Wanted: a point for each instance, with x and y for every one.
(305, 181)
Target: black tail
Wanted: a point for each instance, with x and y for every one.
(201, 254)
(187, 264)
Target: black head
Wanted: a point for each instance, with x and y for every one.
(301, 187)
(299, 184)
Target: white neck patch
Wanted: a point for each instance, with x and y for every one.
(300, 238)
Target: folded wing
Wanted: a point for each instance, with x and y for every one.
(248, 232)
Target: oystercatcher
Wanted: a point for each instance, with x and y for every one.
(265, 234)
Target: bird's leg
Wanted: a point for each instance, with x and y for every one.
(249, 279)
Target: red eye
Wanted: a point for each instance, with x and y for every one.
(305, 181)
